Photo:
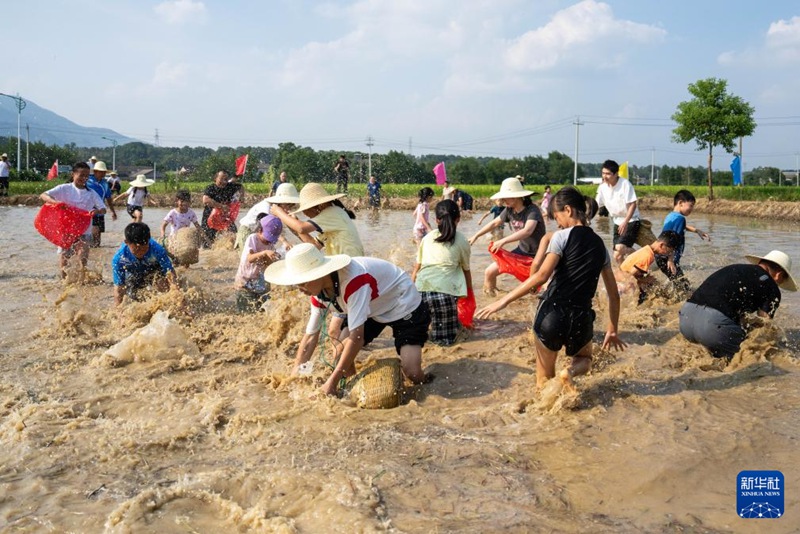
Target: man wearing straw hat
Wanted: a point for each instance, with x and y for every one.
(373, 293)
(97, 183)
(713, 314)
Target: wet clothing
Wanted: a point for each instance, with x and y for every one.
(712, 329)
(739, 289)
(616, 200)
(442, 265)
(374, 193)
(250, 276)
(369, 291)
(444, 317)
(337, 232)
(529, 245)
(629, 237)
(103, 190)
(85, 199)
(639, 261)
(712, 315)
(676, 223)
(421, 213)
(565, 316)
(134, 273)
(178, 220)
(227, 194)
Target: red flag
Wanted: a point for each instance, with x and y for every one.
(53, 171)
(241, 165)
(440, 173)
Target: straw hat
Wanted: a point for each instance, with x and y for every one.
(142, 181)
(303, 263)
(93, 158)
(100, 166)
(285, 194)
(4, 155)
(314, 194)
(511, 188)
(112, 173)
(783, 261)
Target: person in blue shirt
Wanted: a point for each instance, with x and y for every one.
(140, 262)
(683, 205)
(97, 182)
(374, 192)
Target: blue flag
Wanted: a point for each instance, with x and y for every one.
(736, 167)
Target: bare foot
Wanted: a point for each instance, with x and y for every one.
(566, 380)
(490, 291)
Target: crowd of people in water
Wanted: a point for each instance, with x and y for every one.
(354, 297)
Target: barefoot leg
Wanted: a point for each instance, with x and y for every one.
(545, 363)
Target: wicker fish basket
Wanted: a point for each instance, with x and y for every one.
(377, 386)
(184, 246)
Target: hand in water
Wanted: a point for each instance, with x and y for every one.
(489, 310)
(612, 340)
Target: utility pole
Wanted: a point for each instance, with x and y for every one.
(578, 125)
(409, 146)
(370, 142)
(797, 170)
(741, 156)
(20, 106)
(27, 146)
(652, 164)
(114, 151)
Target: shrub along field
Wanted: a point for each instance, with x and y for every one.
(783, 194)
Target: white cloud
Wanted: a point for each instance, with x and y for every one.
(781, 46)
(181, 11)
(585, 33)
(166, 77)
(783, 39)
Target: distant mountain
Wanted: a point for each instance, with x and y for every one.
(51, 128)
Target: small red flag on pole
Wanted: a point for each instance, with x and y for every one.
(53, 171)
(241, 165)
(441, 173)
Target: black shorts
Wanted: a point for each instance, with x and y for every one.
(410, 330)
(99, 221)
(629, 237)
(4, 182)
(558, 325)
(131, 208)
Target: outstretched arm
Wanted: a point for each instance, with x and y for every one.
(612, 337)
(491, 225)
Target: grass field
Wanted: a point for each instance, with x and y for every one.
(757, 193)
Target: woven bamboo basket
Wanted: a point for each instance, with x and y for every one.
(378, 386)
(184, 246)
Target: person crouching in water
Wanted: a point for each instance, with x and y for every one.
(373, 293)
(638, 263)
(576, 258)
(258, 251)
(442, 273)
(140, 262)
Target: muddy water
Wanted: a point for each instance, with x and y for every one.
(217, 438)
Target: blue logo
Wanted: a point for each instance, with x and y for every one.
(759, 494)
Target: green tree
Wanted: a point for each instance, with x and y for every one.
(561, 168)
(713, 117)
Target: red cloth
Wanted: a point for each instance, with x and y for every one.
(510, 263)
(53, 173)
(441, 173)
(466, 309)
(62, 224)
(241, 165)
(218, 220)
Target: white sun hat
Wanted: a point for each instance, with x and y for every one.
(142, 181)
(782, 260)
(304, 263)
(285, 194)
(314, 194)
(511, 188)
(100, 166)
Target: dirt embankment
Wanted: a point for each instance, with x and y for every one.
(787, 211)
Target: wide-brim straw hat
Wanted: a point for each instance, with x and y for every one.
(100, 166)
(314, 194)
(511, 188)
(304, 263)
(285, 194)
(782, 260)
(142, 181)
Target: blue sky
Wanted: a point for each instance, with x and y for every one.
(475, 77)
